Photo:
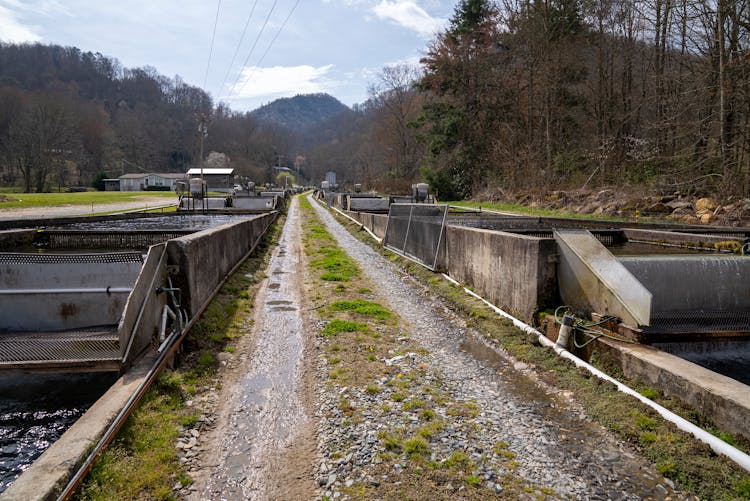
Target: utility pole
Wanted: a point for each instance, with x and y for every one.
(203, 131)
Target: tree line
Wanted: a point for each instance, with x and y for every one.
(513, 95)
(536, 94)
(69, 117)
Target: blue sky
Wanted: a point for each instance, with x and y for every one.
(334, 46)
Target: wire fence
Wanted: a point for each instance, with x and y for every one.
(417, 231)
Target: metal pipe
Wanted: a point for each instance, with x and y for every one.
(565, 329)
(716, 444)
(97, 290)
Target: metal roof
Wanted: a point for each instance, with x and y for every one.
(197, 171)
(163, 175)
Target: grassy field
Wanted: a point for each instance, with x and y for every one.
(27, 200)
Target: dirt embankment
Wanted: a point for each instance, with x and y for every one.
(676, 207)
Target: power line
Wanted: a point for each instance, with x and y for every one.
(281, 28)
(239, 44)
(211, 50)
(252, 49)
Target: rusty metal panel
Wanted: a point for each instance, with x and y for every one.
(40, 292)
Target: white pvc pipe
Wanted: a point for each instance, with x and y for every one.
(716, 444)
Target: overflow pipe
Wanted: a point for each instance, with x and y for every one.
(716, 444)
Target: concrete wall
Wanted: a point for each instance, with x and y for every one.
(14, 239)
(204, 258)
(254, 203)
(376, 223)
(515, 272)
(723, 400)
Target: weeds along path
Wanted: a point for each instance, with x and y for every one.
(263, 446)
(419, 407)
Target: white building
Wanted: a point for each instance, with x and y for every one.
(139, 182)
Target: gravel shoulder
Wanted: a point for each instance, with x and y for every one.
(555, 450)
(261, 444)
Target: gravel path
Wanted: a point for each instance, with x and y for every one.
(553, 444)
(263, 446)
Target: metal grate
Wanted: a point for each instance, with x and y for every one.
(699, 321)
(109, 257)
(416, 231)
(80, 346)
(135, 239)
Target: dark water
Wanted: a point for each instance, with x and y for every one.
(730, 358)
(194, 222)
(35, 410)
(644, 249)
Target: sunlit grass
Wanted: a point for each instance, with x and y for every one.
(26, 200)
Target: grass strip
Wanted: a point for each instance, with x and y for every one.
(360, 334)
(677, 455)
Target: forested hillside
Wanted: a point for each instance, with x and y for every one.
(300, 112)
(68, 116)
(513, 97)
(541, 95)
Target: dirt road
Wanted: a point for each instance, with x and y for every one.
(263, 446)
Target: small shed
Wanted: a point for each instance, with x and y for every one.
(216, 179)
(111, 184)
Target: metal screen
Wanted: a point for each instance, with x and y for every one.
(416, 231)
(109, 257)
(119, 239)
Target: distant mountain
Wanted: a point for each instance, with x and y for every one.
(301, 111)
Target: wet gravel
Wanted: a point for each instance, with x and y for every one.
(552, 444)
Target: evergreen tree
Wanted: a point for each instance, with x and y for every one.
(459, 111)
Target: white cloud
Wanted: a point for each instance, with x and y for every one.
(282, 81)
(12, 29)
(409, 15)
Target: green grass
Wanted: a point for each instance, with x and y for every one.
(337, 326)
(336, 265)
(362, 307)
(27, 200)
(416, 446)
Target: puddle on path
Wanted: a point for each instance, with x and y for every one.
(267, 412)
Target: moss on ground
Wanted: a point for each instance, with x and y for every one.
(360, 334)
